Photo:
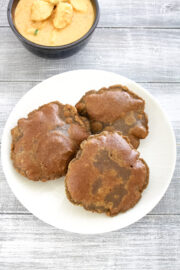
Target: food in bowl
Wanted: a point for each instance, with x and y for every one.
(44, 143)
(115, 108)
(54, 22)
(107, 175)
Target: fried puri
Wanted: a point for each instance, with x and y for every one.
(107, 175)
(115, 109)
(44, 143)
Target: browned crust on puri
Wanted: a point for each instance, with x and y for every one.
(44, 143)
(135, 131)
(105, 210)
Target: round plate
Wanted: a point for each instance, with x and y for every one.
(48, 201)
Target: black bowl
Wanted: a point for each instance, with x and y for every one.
(52, 51)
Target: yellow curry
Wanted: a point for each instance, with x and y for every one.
(54, 22)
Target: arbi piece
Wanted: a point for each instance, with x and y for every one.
(44, 143)
(115, 108)
(63, 15)
(41, 10)
(107, 175)
(79, 5)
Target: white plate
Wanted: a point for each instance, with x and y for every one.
(48, 201)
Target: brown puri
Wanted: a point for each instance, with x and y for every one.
(115, 109)
(44, 143)
(107, 175)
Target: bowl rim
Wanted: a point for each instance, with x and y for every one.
(51, 48)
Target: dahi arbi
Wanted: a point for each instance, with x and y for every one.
(54, 22)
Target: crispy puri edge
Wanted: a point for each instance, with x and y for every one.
(78, 155)
(147, 177)
(147, 121)
(12, 154)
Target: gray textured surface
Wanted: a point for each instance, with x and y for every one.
(143, 44)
